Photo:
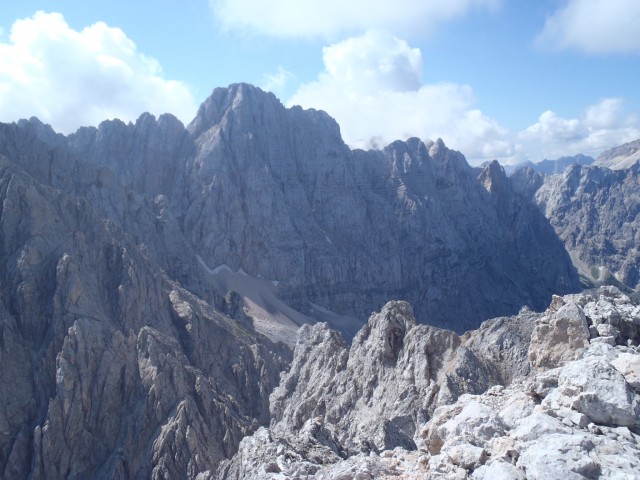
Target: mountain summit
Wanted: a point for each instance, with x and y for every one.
(146, 269)
(275, 193)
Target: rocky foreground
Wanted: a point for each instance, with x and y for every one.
(535, 396)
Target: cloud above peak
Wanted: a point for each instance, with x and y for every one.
(594, 26)
(374, 61)
(372, 85)
(601, 126)
(311, 18)
(70, 78)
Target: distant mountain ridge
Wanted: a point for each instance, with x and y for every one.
(596, 212)
(550, 167)
(620, 158)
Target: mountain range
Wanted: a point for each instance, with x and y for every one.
(154, 278)
(550, 167)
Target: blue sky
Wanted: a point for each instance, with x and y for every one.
(506, 79)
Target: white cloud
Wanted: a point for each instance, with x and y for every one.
(594, 26)
(311, 18)
(603, 125)
(72, 78)
(278, 81)
(372, 86)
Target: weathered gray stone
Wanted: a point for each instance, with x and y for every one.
(592, 386)
(467, 456)
(560, 456)
(628, 364)
(557, 337)
(504, 432)
(498, 470)
(594, 210)
(536, 425)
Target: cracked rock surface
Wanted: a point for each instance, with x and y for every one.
(574, 413)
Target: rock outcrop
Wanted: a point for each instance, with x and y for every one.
(109, 368)
(442, 407)
(596, 213)
(620, 158)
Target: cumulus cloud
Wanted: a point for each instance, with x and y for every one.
(72, 78)
(601, 126)
(312, 18)
(278, 81)
(594, 26)
(372, 85)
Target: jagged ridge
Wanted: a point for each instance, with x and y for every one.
(275, 192)
(553, 395)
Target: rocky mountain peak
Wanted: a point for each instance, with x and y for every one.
(568, 406)
(526, 181)
(620, 158)
(387, 330)
(239, 98)
(436, 147)
(245, 109)
(42, 130)
(260, 132)
(493, 178)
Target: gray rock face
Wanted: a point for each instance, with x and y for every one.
(109, 369)
(392, 377)
(275, 193)
(116, 361)
(565, 325)
(569, 416)
(596, 213)
(349, 230)
(374, 395)
(620, 158)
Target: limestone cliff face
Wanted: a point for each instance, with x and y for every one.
(538, 395)
(109, 369)
(277, 193)
(621, 157)
(596, 213)
(115, 362)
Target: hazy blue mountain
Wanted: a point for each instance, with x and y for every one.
(550, 167)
